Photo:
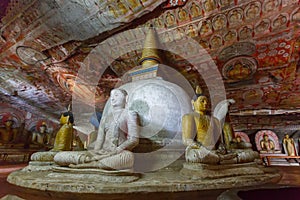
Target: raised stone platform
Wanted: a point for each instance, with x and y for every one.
(165, 180)
(204, 171)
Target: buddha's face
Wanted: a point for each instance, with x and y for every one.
(286, 136)
(266, 137)
(200, 104)
(42, 129)
(8, 123)
(117, 98)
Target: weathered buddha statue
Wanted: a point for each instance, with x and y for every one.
(202, 131)
(118, 134)
(8, 133)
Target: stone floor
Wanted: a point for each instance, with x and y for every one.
(290, 177)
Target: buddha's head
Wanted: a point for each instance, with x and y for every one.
(238, 139)
(9, 122)
(286, 136)
(266, 137)
(43, 128)
(199, 102)
(118, 98)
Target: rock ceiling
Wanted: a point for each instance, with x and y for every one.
(53, 52)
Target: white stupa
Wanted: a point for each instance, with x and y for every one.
(160, 104)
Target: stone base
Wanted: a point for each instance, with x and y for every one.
(204, 171)
(165, 180)
(39, 166)
(112, 176)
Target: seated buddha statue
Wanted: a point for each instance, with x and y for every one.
(41, 137)
(232, 141)
(267, 145)
(118, 134)
(200, 134)
(8, 134)
(238, 143)
(64, 137)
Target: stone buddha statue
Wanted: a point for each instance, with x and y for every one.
(8, 133)
(118, 134)
(202, 131)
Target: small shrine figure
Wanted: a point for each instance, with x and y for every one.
(289, 146)
(8, 134)
(41, 137)
(267, 144)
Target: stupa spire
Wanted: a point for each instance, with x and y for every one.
(150, 52)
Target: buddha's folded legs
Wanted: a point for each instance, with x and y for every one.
(201, 155)
(123, 160)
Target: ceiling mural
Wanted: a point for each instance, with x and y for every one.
(255, 45)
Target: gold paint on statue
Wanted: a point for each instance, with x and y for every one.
(150, 53)
(199, 123)
(64, 137)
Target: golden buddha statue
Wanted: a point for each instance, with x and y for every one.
(64, 137)
(201, 132)
(199, 122)
(267, 145)
(289, 145)
(8, 133)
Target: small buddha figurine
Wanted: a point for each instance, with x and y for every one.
(8, 133)
(267, 145)
(118, 134)
(289, 145)
(201, 132)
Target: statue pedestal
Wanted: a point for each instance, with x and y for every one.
(204, 171)
(82, 184)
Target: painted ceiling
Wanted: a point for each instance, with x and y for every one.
(56, 52)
